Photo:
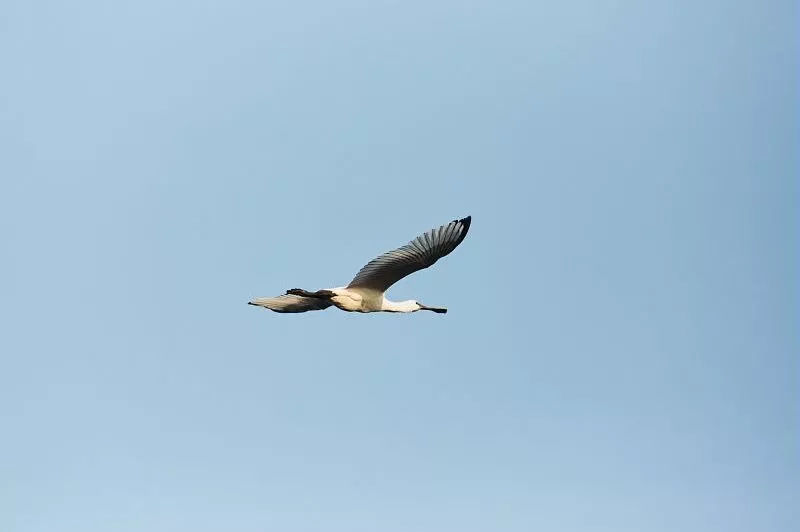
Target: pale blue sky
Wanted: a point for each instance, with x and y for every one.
(621, 351)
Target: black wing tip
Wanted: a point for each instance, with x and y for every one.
(465, 222)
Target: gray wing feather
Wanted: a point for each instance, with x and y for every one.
(291, 303)
(383, 271)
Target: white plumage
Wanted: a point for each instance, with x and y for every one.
(365, 293)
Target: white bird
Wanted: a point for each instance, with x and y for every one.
(365, 293)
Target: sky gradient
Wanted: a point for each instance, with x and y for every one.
(621, 348)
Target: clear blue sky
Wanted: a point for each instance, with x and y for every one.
(621, 351)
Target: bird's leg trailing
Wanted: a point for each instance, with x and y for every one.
(320, 294)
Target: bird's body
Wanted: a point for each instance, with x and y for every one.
(357, 299)
(366, 292)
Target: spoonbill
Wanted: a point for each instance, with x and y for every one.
(365, 293)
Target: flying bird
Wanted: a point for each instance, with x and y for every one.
(365, 293)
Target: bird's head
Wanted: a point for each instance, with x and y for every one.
(409, 305)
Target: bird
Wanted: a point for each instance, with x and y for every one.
(366, 292)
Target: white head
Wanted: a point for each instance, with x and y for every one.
(409, 306)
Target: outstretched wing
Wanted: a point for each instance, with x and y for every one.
(422, 252)
(291, 303)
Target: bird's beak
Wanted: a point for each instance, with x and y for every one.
(437, 310)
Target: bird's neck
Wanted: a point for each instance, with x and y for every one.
(398, 306)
